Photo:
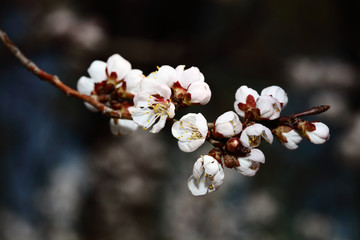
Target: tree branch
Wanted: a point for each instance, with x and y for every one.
(54, 80)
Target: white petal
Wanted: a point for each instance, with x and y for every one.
(85, 85)
(228, 124)
(276, 92)
(269, 107)
(119, 65)
(243, 92)
(211, 166)
(293, 138)
(200, 92)
(166, 75)
(133, 79)
(197, 187)
(201, 124)
(97, 71)
(245, 169)
(190, 76)
(198, 168)
(122, 126)
(256, 155)
(159, 125)
(90, 107)
(218, 179)
(190, 146)
(321, 133)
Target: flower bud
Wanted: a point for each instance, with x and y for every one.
(234, 145)
(230, 161)
(276, 92)
(228, 124)
(200, 93)
(288, 136)
(269, 107)
(216, 153)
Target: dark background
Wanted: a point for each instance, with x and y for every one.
(63, 175)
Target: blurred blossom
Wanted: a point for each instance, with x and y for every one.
(350, 142)
(338, 104)
(307, 72)
(62, 199)
(63, 22)
(13, 226)
(312, 225)
(260, 207)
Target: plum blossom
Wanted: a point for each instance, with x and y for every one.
(250, 164)
(152, 111)
(293, 138)
(189, 83)
(228, 124)
(288, 136)
(115, 68)
(276, 92)
(251, 135)
(193, 81)
(208, 176)
(317, 132)
(122, 126)
(245, 99)
(269, 107)
(265, 106)
(191, 131)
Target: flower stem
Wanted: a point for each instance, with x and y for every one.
(53, 79)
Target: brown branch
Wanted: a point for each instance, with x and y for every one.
(312, 111)
(54, 80)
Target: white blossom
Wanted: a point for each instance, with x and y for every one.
(251, 135)
(269, 107)
(319, 134)
(250, 164)
(193, 81)
(244, 97)
(191, 131)
(100, 71)
(208, 176)
(200, 93)
(189, 76)
(228, 124)
(276, 92)
(122, 126)
(293, 138)
(150, 111)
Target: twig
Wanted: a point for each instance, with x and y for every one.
(53, 79)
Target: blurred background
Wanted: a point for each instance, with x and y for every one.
(64, 176)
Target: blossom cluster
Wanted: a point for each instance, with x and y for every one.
(146, 101)
(236, 142)
(150, 101)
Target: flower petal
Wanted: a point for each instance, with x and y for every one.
(197, 187)
(85, 85)
(97, 71)
(190, 76)
(122, 126)
(276, 92)
(118, 65)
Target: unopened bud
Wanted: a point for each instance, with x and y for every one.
(216, 153)
(230, 161)
(234, 145)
